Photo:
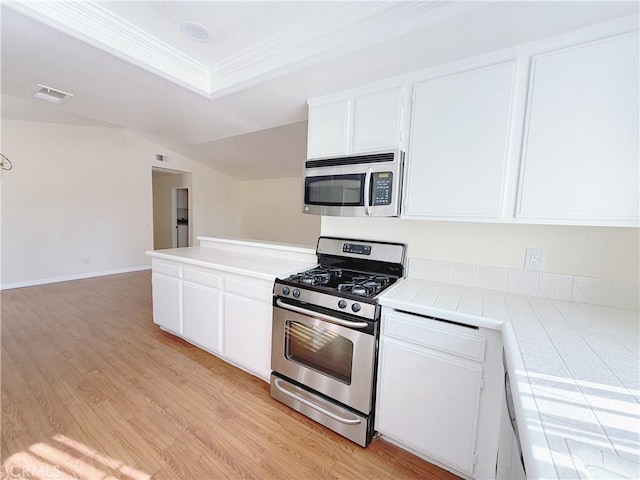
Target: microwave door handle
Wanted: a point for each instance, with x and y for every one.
(367, 191)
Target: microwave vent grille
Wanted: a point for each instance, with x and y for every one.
(331, 162)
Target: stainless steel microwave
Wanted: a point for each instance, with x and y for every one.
(355, 186)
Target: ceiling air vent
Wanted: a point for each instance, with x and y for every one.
(50, 94)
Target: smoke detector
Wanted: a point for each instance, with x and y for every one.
(50, 94)
(196, 31)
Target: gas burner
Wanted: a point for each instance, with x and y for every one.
(364, 285)
(317, 276)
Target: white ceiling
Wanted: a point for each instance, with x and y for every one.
(235, 26)
(245, 113)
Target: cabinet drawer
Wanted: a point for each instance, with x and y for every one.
(249, 287)
(203, 276)
(166, 268)
(454, 339)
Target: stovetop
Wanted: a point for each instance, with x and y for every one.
(347, 280)
(342, 282)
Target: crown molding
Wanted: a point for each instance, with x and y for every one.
(91, 23)
(342, 29)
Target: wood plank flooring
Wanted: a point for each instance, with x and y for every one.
(92, 389)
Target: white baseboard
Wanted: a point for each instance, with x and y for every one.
(66, 278)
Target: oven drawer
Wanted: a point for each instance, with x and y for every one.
(345, 422)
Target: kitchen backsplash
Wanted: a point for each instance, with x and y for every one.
(526, 282)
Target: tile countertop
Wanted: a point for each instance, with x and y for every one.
(574, 368)
(266, 267)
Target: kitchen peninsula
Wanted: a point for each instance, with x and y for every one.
(218, 295)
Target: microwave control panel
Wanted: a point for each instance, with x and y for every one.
(381, 188)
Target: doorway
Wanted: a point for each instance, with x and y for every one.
(180, 217)
(172, 208)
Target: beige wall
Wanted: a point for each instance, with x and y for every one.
(79, 200)
(603, 252)
(272, 210)
(163, 185)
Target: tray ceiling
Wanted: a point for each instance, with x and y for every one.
(237, 102)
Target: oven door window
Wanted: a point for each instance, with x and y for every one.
(319, 349)
(335, 190)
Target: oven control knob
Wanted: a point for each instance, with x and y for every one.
(355, 307)
(342, 304)
(285, 291)
(296, 292)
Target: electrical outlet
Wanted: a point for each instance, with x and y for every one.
(533, 259)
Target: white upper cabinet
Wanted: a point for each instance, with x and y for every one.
(580, 152)
(377, 121)
(459, 144)
(545, 132)
(328, 129)
(357, 122)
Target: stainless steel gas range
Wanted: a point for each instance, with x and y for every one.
(325, 333)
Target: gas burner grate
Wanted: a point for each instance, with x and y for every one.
(317, 276)
(365, 286)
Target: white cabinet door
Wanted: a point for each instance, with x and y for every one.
(580, 155)
(377, 121)
(201, 316)
(328, 132)
(357, 123)
(166, 294)
(247, 334)
(459, 144)
(429, 401)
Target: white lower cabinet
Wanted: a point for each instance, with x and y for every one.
(438, 392)
(226, 314)
(247, 334)
(202, 316)
(167, 299)
(445, 402)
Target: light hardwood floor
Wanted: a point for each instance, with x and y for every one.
(92, 389)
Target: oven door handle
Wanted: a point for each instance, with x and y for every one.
(328, 318)
(367, 191)
(309, 403)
